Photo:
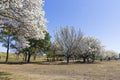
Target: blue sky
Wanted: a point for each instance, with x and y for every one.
(99, 18)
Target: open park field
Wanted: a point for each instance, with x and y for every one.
(59, 40)
(108, 70)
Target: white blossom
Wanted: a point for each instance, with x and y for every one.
(90, 45)
(27, 16)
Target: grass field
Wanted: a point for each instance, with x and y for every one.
(109, 70)
(14, 58)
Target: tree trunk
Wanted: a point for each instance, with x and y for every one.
(8, 44)
(67, 60)
(88, 60)
(7, 55)
(84, 60)
(29, 56)
(67, 57)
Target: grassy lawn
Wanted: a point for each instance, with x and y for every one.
(109, 70)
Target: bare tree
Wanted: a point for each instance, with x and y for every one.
(68, 38)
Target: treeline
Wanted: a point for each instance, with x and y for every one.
(23, 28)
(68, 44)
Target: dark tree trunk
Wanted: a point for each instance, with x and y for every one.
(29, 56)
(67, 60)
(84, 59)
(67, 56)
(8, 44)
(7, 55)
(88, 60)
(101, 59)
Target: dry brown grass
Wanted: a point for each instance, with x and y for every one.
(101, 71)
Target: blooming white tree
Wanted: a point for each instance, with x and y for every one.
(110, 54)
(89, 47)
(27, 16)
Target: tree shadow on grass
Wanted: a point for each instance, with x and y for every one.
(13, 63)
(38, 63)
(80, 62)
(4, 73)
(4, 76)
(48, 63)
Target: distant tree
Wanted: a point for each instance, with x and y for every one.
(68, 38)
(110, 54)
(54, 51)
(37, 46)
(89, 48)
